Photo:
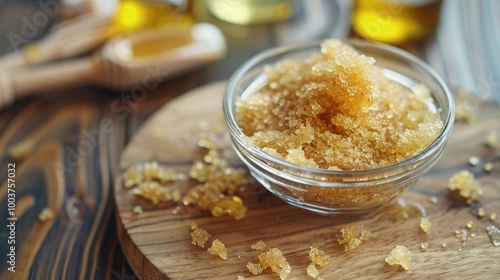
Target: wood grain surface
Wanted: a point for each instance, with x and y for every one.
(157, 243)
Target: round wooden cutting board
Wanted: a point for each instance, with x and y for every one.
(157, 243)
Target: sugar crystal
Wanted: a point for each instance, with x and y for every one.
(493, 216)
(466, 185)
(259, 246)
(274, 259)
(153, 191)
(353, 236)
(218, 248)
(425, 225)
(137, 210)
(312, 270)
(199, 236)
(318, 257)
(218, 184)
(254, 268)
(400, 255)
(491, 139)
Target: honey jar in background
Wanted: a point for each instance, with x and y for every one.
(395, 21)
(140, 14)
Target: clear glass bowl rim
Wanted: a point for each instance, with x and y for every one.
(236, 133)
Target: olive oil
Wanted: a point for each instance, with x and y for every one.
(395, 21)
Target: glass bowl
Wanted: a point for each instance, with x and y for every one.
(326, 191)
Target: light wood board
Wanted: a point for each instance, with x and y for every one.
(157, 243)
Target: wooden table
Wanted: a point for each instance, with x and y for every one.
(79, 134)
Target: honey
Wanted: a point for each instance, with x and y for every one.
(338, 111)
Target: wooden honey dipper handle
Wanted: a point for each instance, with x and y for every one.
(24, 82)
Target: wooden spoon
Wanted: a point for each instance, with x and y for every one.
(139, 59)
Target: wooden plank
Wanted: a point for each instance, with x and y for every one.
(157, 243)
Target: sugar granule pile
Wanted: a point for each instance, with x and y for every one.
(353, 236)
(218, 248)
(274, 259)
(336, 110)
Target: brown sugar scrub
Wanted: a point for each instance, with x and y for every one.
(336, 110)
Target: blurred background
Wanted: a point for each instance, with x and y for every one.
(68, 68)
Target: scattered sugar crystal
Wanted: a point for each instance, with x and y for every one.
(488, 167)
(259, 246)
(424, 245)
(194, 225)
(463, 114)
(469, 224)
(274, 259)
(45, 215)
(218, 184)
(254, 268)
(240, 277)
(491, 139)
(493, 216)
(137, 209)
(425, 225)
(318, 257)
(353, 236)
(341, 99)
(153, 191)
(150, 171)
(461, 235)
(494, 234)
(218, 248)
(481, 212)
(312, 270)
(400, 255)
(444, 245)
(466, 185)
(176, 196)
(133, 176)
(199, 236)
